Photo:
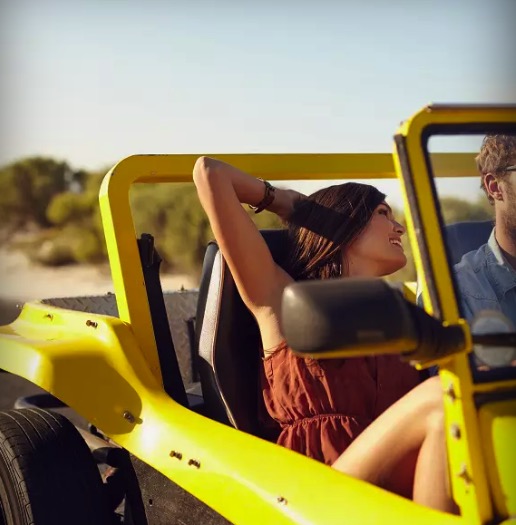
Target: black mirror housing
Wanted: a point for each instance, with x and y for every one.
(357, 316)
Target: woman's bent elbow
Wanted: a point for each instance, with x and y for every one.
(202, 169)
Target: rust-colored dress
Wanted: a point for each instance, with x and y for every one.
(323, 405)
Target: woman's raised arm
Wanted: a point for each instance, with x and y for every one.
(222, 189)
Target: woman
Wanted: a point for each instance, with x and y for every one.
(323, 405)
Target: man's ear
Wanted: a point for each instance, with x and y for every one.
(492, 186)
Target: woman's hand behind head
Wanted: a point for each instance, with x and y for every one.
(285, 202)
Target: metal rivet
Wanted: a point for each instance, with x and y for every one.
(455, 431)
(194, 463)
(175, 454)
(464, 474)
(281, 500)
(93, 324)
(450, 392)
(129, 416)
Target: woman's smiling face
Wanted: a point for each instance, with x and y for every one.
(378, 250)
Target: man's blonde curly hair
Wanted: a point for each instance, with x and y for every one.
(496, 153)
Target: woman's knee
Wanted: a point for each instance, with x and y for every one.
(430, 391)
(434, 405)
(425, 403)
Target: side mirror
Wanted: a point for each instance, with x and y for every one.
(355, 317)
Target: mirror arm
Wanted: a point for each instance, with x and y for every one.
(495, 339)
(434, 340)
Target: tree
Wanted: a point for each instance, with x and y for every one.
(455, 209)
(69, 207)
(27, 187)
(174, 215)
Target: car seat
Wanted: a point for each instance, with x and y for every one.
(463, 237)
(229, 346)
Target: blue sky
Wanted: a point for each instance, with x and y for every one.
(93, 82)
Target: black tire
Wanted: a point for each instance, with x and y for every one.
(47, 474)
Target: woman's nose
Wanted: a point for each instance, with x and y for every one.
(399, 228)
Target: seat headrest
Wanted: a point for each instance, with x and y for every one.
(464, 237)
(277, 241)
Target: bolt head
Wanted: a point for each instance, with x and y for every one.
(455, 431)
(129, 417)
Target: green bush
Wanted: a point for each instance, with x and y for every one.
(457, 210)
(68, 208)
(174, 215)
(27, 187)
(85, 245)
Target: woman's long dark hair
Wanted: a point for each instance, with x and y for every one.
(324, 225)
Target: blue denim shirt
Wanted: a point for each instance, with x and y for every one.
(486, 281)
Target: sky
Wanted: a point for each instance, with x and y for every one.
(91, 82)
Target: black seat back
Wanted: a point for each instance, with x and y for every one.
(463, 237)
(229, 345)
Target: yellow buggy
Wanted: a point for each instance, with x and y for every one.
(198, 454)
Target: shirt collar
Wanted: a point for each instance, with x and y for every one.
(497, 251)
(502, 271)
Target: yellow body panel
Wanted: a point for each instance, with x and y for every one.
(410, 291)
(498, 431)
(93, 364)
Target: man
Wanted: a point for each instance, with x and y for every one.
(486, 278)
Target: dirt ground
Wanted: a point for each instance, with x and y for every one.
(21, 280)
